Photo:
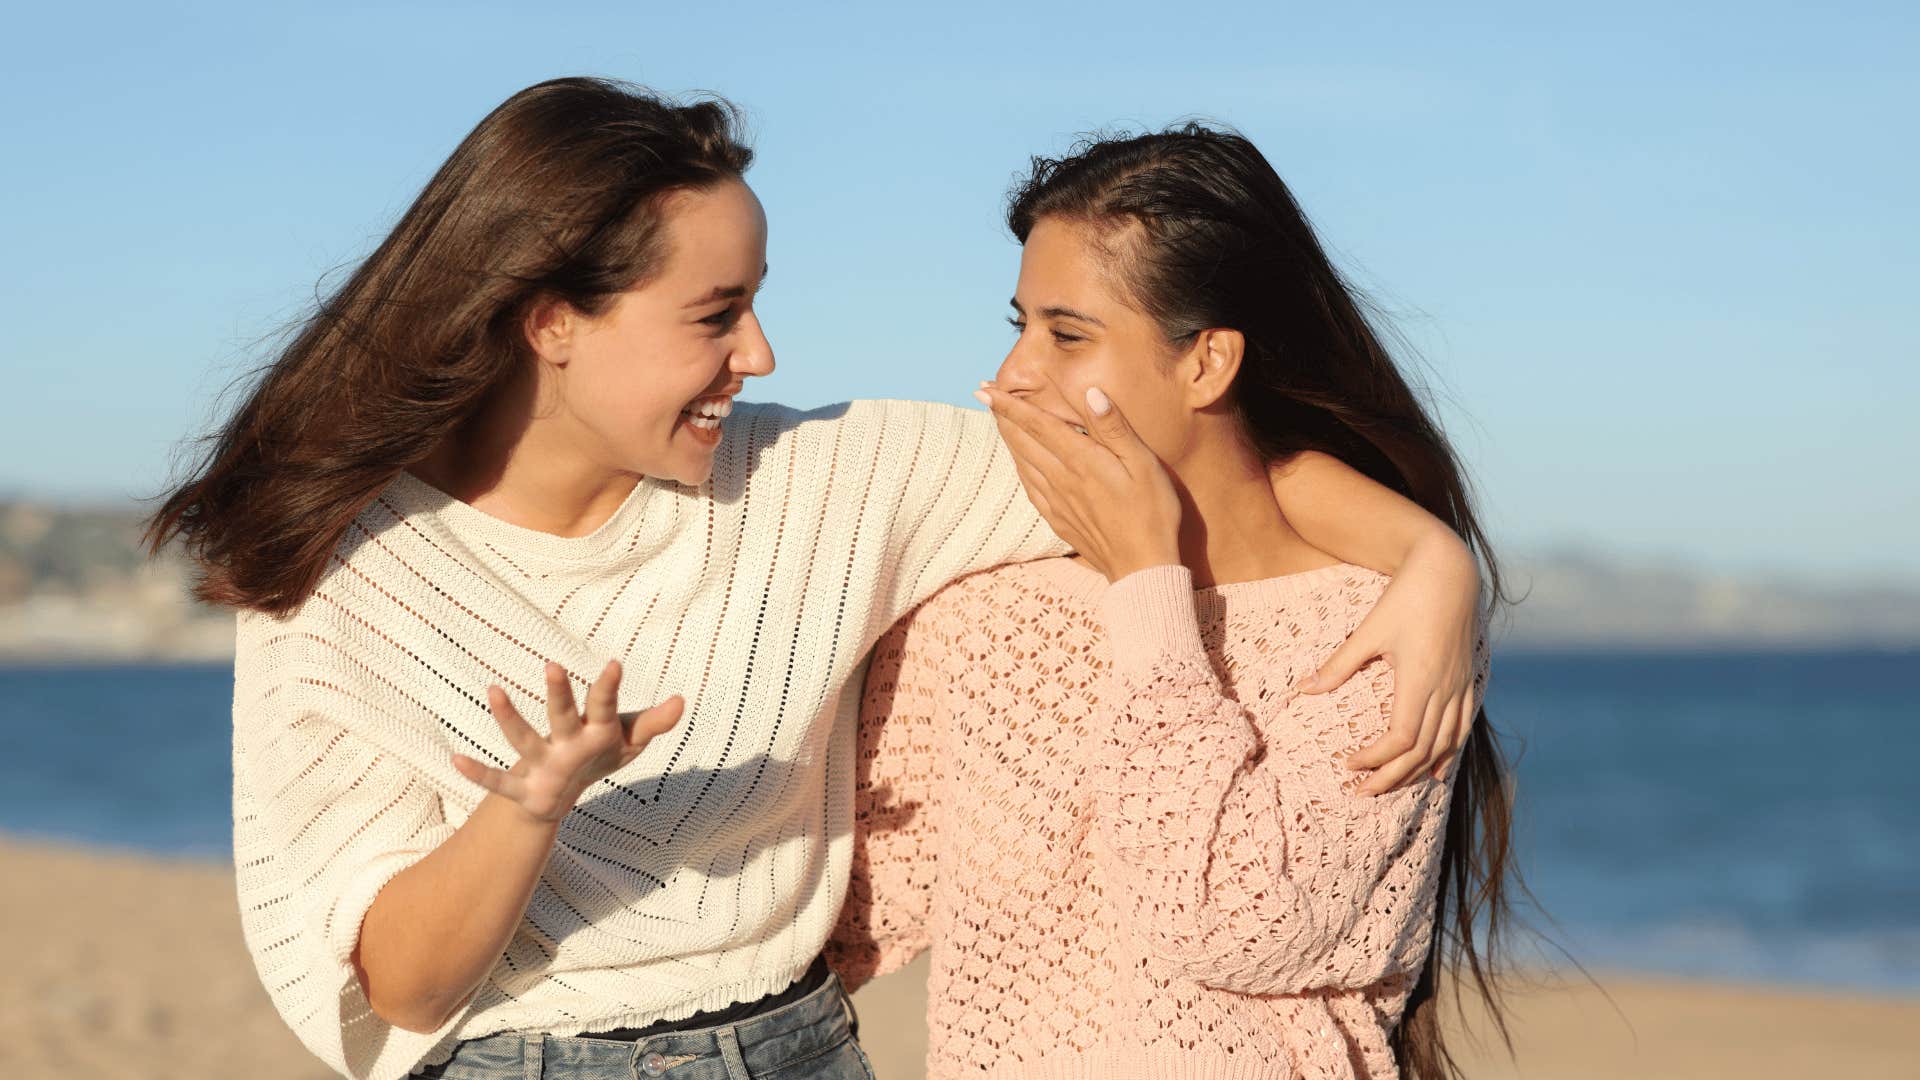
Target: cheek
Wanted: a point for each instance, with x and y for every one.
(630, 399)
(1154, 410)
(622, 401)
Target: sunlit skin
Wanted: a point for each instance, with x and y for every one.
(1127, 444)
(600, 407)
(1076, 332)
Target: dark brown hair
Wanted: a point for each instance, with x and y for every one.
(1221, 243)
(556, 194)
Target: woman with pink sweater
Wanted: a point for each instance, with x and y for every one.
(1095, 785)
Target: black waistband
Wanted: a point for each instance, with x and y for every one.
(813, 979)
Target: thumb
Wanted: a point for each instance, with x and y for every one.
(1107, 424)
(1352, 655)
(654, 722)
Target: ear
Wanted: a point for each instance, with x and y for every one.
(1212, 362)
(549, 326)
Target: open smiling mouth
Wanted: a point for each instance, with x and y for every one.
(706, 414)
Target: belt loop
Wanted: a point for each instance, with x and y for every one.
(729, 1039)
(533, 1055)
(846, 1006)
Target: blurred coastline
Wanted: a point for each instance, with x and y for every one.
(75, 586)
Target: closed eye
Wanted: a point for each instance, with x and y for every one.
(1059, 336)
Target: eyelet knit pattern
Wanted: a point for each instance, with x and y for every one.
(707, 872)
(1131, 850)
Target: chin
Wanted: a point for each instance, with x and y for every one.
(690, 473)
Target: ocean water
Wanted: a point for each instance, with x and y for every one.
(1738, 816)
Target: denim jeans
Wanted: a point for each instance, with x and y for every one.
(811, 1039)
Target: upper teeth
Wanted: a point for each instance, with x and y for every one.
(712, 407)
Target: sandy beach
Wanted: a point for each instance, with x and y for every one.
(130, 966)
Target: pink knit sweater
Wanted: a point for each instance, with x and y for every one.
(1131, 852)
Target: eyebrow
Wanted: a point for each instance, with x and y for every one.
(1055, 311)
(725, 292)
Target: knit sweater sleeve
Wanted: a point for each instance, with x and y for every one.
(885, 922)
(324, 817)
(939, 486)
(1236, 850)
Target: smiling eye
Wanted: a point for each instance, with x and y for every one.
(722, 318)
(1064, 338)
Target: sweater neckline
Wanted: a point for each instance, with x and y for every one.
(1083, 582)
(412, 495)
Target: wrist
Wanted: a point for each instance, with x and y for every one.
(1123, 566)
(1148, 616)
(525, 819)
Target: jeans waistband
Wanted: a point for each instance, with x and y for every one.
(755, 1046)
(810, 980)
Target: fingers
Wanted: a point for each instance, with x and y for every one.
(1456, 739)
(603, 696)
(654, 722)
(1027, 449)
(1108, 424)
(498, 781)
(1042, 427)
(520, 734)
(1413, 762)
(1039, 493)
(1402, 735)
(1444, 740)
(562, 718)
(1352, 655)
(1025, 453)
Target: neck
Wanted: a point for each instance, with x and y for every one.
(1231, 527)
(526, 467)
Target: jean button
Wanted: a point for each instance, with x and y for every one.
(654, 1064)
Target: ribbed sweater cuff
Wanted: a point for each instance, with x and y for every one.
(1149, 614)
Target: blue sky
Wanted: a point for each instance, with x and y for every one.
(1656, 264)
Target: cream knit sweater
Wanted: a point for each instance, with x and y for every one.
(707, 872)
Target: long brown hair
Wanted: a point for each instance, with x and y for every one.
(1225, 245)
(557, 194)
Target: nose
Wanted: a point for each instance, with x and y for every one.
(1020, 371)
(754, 356)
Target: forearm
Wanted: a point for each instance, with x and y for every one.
(1347, 514)
(439, 926)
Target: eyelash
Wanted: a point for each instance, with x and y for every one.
(1058, 336)
(722, 319)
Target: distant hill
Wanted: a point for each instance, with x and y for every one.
(1572, 600)
(74, 586)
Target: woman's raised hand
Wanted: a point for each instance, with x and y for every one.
(579, 750)
(1426, 626)
(1104, 493)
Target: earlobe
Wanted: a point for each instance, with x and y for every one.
(1218, 354)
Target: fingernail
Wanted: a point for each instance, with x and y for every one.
(1097, 401)
(984, 383)
(981, 397)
